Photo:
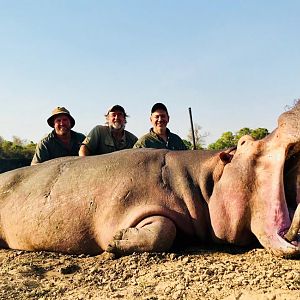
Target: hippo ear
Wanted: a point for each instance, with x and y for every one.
(218, 171)
(225, 157)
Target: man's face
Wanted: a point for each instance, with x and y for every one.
(159, 120)
(116, 120)
(62, 125)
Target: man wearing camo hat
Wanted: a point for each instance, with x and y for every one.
(62, 141)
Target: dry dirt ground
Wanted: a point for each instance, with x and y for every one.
(196, 273)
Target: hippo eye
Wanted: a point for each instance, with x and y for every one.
(243, 142)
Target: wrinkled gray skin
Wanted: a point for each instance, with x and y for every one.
(145, 199)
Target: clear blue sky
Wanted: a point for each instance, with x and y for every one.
(235, 63)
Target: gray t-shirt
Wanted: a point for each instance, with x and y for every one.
(100, 140)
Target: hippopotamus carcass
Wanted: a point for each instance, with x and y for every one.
(145, 199)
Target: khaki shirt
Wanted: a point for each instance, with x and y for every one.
(152, 140)
(51, 147)
(100, 141)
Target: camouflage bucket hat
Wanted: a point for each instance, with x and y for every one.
(60, 111)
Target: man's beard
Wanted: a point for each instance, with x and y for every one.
(63, 131)
(117, 126)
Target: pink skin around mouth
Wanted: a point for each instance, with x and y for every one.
(279, 219)
(281, 223)
(272, 237)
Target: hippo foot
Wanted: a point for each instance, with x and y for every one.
(154, 234)
(105, 256)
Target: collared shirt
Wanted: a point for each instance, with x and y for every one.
(100, 140)
(152, 140)
(51, 147)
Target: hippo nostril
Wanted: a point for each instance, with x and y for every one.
(244, 139)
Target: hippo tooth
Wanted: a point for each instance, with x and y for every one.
(293, 231)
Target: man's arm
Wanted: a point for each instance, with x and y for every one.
(84, 150)
(41, 154)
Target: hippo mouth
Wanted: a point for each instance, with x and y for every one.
(283, 147)
(291, 234)
(289, 238)
(284, 238)
(280, 179)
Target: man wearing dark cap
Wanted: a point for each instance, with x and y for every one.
(62, 141)
(160, 136)
(111, 137)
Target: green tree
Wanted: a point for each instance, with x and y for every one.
(240, 133)
(228, 139)
(259, 133)
(188, 144)
(6, 149)
(18, 149)
(29, 149)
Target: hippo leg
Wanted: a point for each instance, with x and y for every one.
(153, 234)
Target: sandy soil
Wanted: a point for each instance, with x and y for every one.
(210, 273)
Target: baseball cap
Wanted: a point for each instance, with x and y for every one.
(117, 108)
(158, 106)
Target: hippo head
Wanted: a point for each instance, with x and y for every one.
(258, 193)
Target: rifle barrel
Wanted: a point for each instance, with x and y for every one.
(192, 128)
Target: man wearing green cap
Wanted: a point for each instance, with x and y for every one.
(159, 136)
(110, 137)
(62, 141)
